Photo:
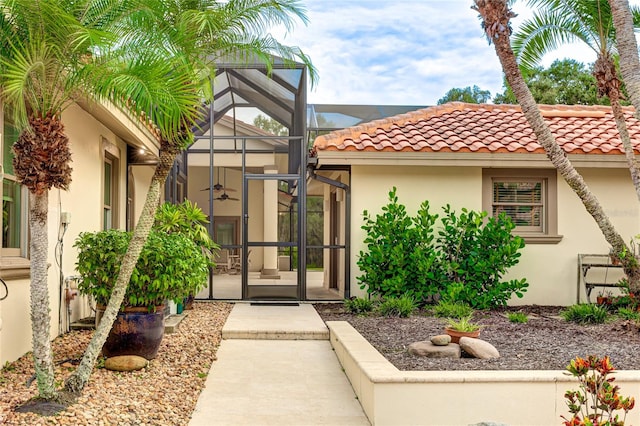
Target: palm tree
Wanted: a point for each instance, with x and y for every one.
(623, 20)
(496, 16)
(196, 33)
(557, 22)
(51, 52)
(39, 63)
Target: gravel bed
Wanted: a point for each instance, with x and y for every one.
(163, 393)
(545, 342)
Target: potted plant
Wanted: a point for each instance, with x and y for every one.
(170, 267)
(189, 220)
(463, 327)
(604, 298)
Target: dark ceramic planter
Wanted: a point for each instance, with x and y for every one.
(135, 332)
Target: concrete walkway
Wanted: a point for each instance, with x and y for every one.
(276, 367)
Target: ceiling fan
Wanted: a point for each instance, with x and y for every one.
(224, 188)
(226, 196)
(219, 187)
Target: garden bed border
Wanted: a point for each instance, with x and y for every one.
(517, 397)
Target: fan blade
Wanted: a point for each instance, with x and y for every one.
(217, 188)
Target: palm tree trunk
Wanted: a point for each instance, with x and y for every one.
(40, 319)
(496, 16)
(79, 379)
(606, 77)
(632, 163)
(628, 50)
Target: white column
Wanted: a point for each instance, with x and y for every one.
(270, 215)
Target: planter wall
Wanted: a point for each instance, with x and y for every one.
(392, 397)
(136, 331)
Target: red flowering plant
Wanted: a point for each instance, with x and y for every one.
(595, 403)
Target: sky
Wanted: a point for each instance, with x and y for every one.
(402, 52)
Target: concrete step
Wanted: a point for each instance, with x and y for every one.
(261, 321)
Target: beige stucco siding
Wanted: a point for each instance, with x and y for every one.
(550, 269)
(83, 201)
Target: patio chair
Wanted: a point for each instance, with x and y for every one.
(222, 261)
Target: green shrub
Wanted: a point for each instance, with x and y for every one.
(189, 220)
(400, 252)
(446, 309)
(476, 252)
(463, 261)
(628, 314)
(585, 313)
(358, 305)
(518, 317)
(402, 306)
(170, 267)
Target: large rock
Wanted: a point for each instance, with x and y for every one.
(441, 340)
(478, 348)
(125, 363)
(429, 350)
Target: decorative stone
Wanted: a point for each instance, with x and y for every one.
(125, 363)
(441, 340)
(429, 350)
(478, 348)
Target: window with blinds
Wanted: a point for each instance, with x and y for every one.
(522, 200)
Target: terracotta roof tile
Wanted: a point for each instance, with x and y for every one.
(461, 127)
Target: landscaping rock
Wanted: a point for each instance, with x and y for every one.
(478, 348)
(441, 340)
(125, 363)
(429, 350)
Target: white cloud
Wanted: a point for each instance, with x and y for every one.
(402, 52)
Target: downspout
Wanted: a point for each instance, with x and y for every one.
(347, 226)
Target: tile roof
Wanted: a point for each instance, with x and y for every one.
(488, 128)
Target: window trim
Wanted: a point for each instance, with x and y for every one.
(111, 155)
(20, 252)
(549, 234)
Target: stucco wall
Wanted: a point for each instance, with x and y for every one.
(84, 203)
(550, 269)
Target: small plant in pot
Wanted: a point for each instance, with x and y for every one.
(170, 267)
(463, 327)
(604, 298)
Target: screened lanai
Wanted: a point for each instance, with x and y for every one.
(281, 225)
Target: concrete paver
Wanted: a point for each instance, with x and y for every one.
(276, 382)
(261, 321)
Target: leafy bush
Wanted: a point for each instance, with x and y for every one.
(400, 252)
(462, 262)
(598, 399)
(518, 317)
(170, 266)
(446, 309)
(358, 305)
(189, 220)
(585, 313)
(402, 306)
(476, 252)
